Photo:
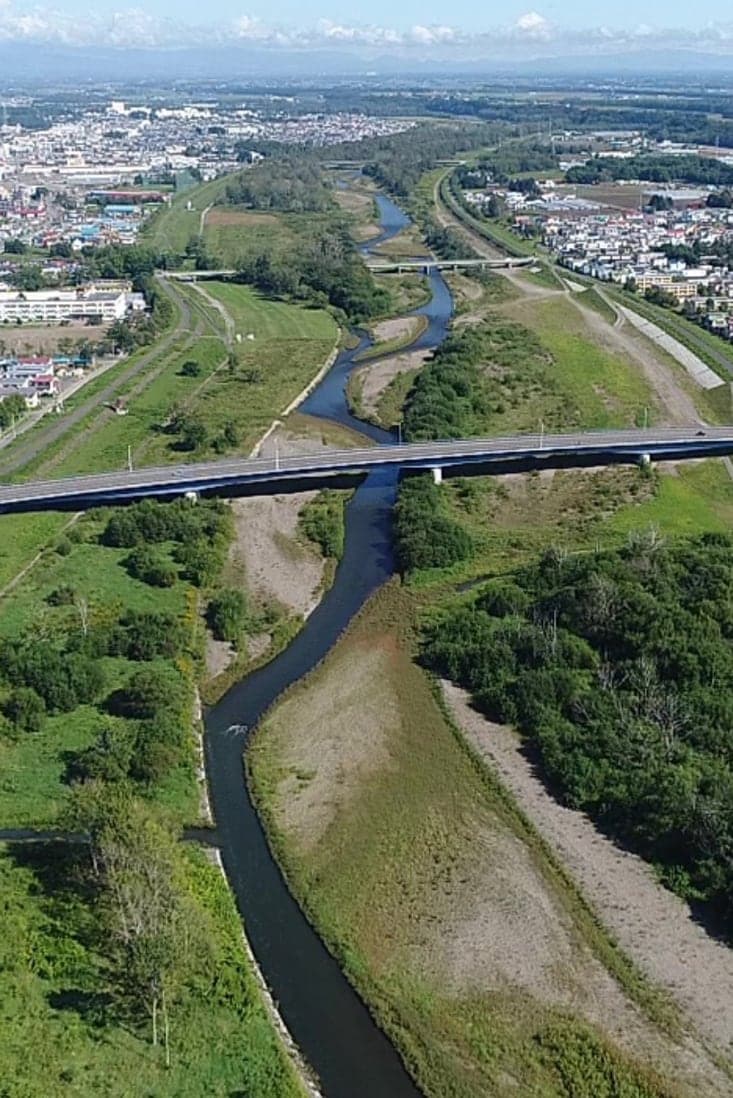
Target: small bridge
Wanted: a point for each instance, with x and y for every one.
(425, 266)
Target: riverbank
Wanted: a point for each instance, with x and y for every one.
(427, 884)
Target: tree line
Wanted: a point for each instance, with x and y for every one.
(618, 666)
(654, 168)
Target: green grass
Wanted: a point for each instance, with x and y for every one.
(54, 1040)
(103, 445)
(408, 291)
(248, 233)
(33, 785)
(171, 228)
(392, 401)
(270, 319)
(393, 872)
(22, 536)
(593, 298)
(512, 522)
(598, 388)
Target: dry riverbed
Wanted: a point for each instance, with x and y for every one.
(652, 925)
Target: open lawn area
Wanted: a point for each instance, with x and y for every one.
(233, 233)
(598, 388)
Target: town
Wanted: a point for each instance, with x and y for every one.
(671, 242)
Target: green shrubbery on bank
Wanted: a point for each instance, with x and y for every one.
(618, 665)
(426, 536)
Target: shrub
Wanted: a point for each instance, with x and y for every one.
(227, 615)
(25, 709)
(150, 567)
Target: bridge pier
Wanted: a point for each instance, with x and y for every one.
(437, 472)
(645, 461)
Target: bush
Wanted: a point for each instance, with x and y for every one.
(63, 679)
(425, 535)
(227, 615)
(25, 709)
(150, 567)
(322, 522)
(148, 693)
(63, 547)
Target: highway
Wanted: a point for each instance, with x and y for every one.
(271, 474)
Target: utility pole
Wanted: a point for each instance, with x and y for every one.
(129, 458)
(542, 433)
(277, 456)
(646, 417)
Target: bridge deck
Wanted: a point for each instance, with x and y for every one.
(237, 475)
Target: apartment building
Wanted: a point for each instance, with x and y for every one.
(93, 303)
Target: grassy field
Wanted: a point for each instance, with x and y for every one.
(408, 292)
(393, 837)
(406, 245)
(171, 229)
(595, 388)
(233, 233)
(54, 1038)
(513, 519)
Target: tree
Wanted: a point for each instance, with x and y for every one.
(156, 932)
(25, 709)
(15, 247)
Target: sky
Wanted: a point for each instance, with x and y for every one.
(459, 30)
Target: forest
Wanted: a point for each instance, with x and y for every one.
(617, 667)
(455, 395)
(322, 266)
(656, 169)
(398, 163)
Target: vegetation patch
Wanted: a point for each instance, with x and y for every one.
(615, 664)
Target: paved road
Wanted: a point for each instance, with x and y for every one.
(263, 474)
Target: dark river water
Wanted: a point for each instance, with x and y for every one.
(329, 1022)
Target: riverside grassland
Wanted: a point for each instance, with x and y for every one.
(111, 608)
(466, 933)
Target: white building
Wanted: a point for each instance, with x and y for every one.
(55, 306)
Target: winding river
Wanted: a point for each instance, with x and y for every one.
(329, 1022)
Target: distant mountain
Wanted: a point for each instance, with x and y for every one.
(54, 63)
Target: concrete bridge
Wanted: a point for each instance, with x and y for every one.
(272, 475)
(425, 266)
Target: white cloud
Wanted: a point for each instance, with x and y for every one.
(533, 25)
(531, 35)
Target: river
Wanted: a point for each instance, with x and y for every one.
(328, 1021)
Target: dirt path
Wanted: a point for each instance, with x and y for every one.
(223, 312)
(652, 926)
